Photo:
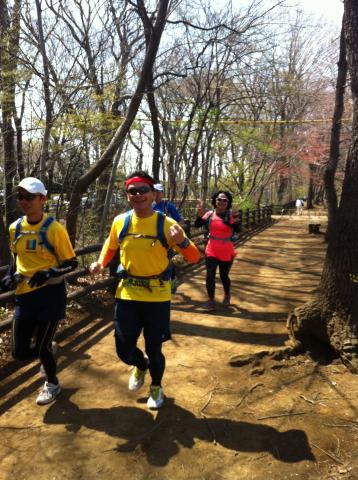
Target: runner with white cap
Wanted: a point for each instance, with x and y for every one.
(42, 254)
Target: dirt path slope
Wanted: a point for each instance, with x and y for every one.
(274, 420)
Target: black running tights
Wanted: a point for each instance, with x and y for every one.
(224, 268)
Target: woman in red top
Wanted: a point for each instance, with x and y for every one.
(221, 224)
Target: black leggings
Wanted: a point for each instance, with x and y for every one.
(130, 354)
(224, 268)
(131, 318)
(35, 321)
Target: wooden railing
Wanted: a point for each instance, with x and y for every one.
(251, 220)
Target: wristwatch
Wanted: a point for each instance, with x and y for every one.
(185, 243)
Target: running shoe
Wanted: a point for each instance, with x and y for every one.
(226, 300)
(156, 397)
(48, 393)
(136, 380)
(209, 305)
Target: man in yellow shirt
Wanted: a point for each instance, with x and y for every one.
(42, 254)
(143, 293)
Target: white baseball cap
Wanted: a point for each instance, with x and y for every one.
(158, 187)
(32, 185)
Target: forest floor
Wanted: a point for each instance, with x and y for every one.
(278, 419)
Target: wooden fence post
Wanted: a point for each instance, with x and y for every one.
(247, 218)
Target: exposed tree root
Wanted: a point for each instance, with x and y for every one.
(255, 358)
(323, 334)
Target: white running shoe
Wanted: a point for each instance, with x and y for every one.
(136, 380)
(156, 397)
(54, 349)
(48, 393)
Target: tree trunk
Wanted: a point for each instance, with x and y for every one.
(4, 241)
(332, 318)
(154, 114)
(311, 186)
(102, 189)
(282, 186)
(107, 203)
(331, 167)
(9, 34)
(45, 150)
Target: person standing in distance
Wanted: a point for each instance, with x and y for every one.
(221, 223)
(42, 254)
(299, 206)
(143, 293)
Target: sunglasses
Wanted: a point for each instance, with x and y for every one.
(225, 200)
(28, 196)
(141, 190)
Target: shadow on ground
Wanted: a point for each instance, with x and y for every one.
(179, 427)
(229, 334)
(87, 338)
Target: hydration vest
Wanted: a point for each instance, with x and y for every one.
(168, 274)
(42, 234)
(160, 229)
(208, 221)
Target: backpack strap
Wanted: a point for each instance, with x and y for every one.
(167, 274)
(232, 238)
(18, 229)
(43, 235)
(127, 221)
(44, 238)
(209, 220)
(160, 229)
(208, 223)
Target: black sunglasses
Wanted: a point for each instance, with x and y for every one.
(222, 200)
(28, 196)
(141, 190)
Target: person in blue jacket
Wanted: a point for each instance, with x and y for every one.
(165, 206)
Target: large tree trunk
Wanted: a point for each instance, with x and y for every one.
(154, 114)
(331, 167)
(45, 150)
(332, 318)
(9, 34)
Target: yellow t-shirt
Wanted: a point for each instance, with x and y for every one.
(142, 257)
(31, 256)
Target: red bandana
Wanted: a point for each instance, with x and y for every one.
(138, 179)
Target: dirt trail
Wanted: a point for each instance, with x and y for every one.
(273, 420)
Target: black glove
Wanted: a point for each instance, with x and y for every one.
(7, 283)
(39, 278)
